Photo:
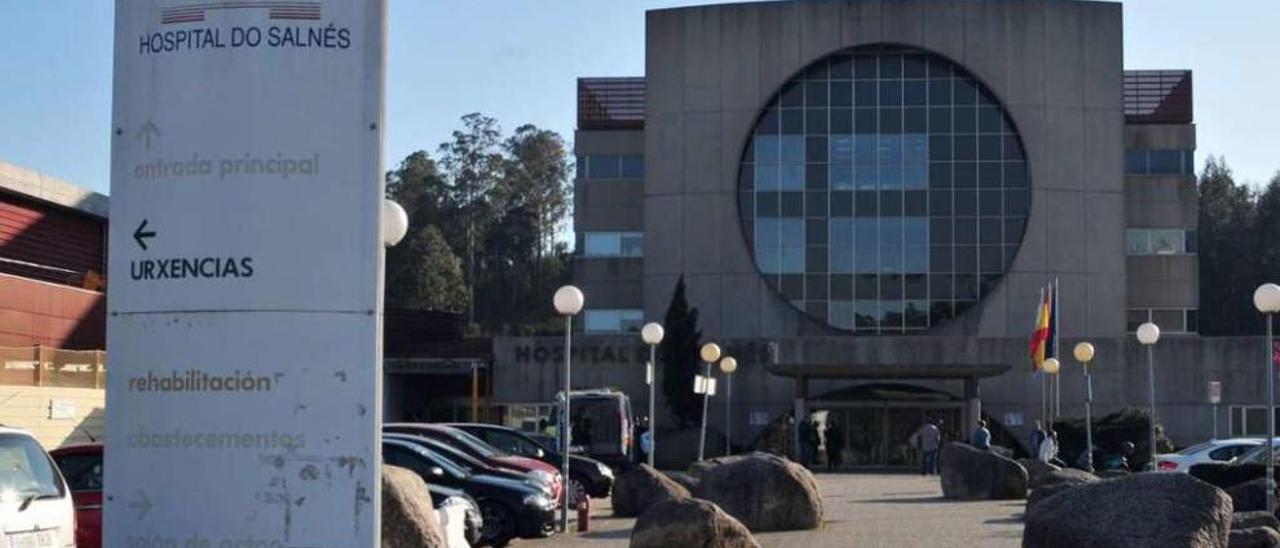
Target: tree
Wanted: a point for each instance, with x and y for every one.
(679, 354)
(427, 276)
(474, 166)
(537, 180)
(1228, 252)
(1265, 232)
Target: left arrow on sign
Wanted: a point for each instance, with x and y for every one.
(141, 234)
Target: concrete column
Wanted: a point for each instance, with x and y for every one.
(800, 412)
(972, 394)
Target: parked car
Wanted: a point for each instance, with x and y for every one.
(1209, 451)
(467, 461)
(477, 448)
(81, 465)
(601, 421)
(1249, 466)
(35, 504)
(587, 476)
(509, 508)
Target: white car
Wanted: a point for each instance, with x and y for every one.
(1209, 451)
(35, 504)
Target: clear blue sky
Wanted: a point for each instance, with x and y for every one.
(517, 60)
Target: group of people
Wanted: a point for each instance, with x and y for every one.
(811, 434)
(1044, 445)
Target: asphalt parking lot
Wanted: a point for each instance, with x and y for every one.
(872, 510)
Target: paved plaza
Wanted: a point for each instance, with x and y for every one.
(871, 510)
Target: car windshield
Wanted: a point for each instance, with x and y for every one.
(449, 466)
(476, 444)
(1196, 448)
(25, 470)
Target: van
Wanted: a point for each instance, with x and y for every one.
(602, 423)
(35, 504)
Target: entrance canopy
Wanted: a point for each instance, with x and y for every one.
(887, 370)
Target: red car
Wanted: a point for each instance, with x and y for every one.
(82, 466)
(475, 447)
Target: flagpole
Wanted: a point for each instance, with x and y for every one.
(1057, 349)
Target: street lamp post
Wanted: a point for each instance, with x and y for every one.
(1051, 367)
(1084, 354)
(568, 301)
(1267, 299)
(727, 366)
(1148, 334)
(710, 354)
(652, 334)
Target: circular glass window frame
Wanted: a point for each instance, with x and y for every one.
(935, 182)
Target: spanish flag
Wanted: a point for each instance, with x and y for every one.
(1040, 336)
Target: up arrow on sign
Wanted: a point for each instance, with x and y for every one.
(141, 234)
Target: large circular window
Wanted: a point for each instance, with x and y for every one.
(884, 191)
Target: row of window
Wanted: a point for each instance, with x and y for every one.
(624, 320)
(913, 245)
(610, 166)
(1159, 162)
(1160, 241)
(1170, 320)
(613, 244)
(1250, 420)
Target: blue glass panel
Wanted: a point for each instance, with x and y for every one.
(792, 150)
(791, 177)
(767, 177)
(842, 177)
(767, 149)
(841, 246)
(841, 149)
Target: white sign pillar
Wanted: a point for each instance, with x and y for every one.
(245, 275)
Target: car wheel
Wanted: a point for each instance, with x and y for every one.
(499, 524)
(577, 490)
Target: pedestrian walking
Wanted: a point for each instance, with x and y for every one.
(930, 440)
(982, 436)
(835, 445)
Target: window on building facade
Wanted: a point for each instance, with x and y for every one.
(613, 244)
(1249, 420)
(1160, 241)
(884, 190)
(1160, 162)
(610, 166)
(1171, 320)
(613, 321)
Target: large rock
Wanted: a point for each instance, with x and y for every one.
(1255, 518)
(1037, 468)
(1138, 511)
(1253, 537)
(764, 491)
(685, 479)
(1250, 495)
(1066, 475)
(1058, 481)
(689, 522)
(408, 520)
(1039, 494)
(642, 487)
(970, 473)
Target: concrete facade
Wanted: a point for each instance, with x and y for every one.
(1057, 69)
